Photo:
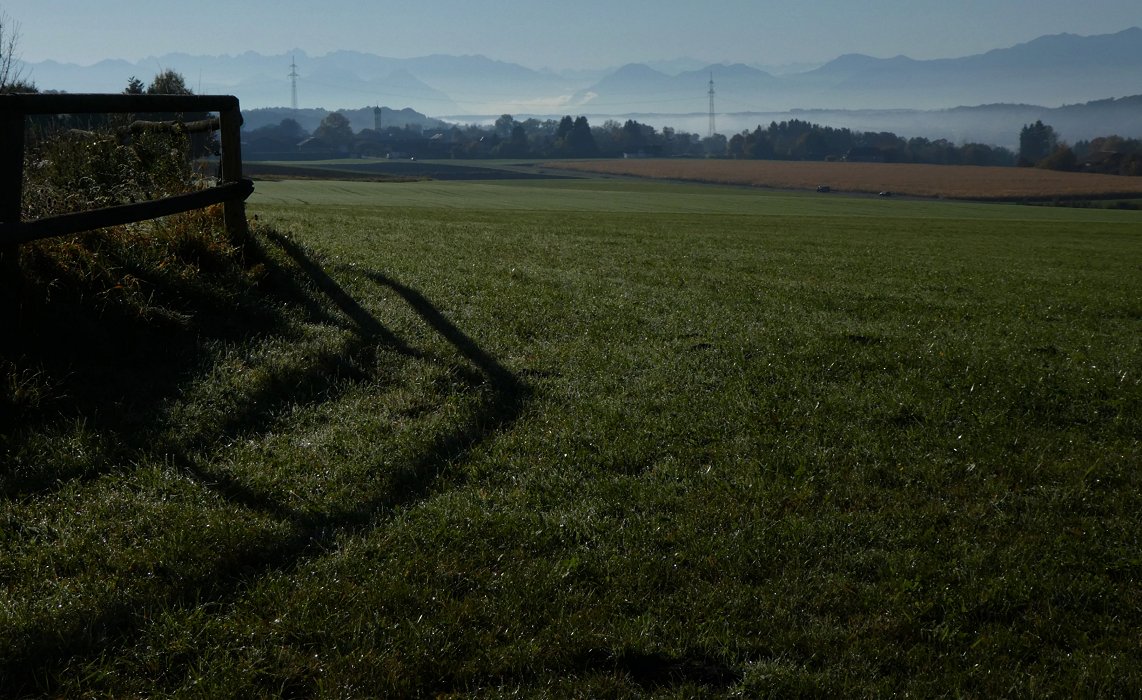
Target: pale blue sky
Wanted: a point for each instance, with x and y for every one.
(564, 35)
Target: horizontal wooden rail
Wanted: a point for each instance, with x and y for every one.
(25, 232)
(81, 103)
(124, 133)
(202, 126)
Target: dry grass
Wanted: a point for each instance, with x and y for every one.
(960, 182)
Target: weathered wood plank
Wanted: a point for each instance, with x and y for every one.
(16, 232)
(82, 103)
(231, 137)
(11, 190)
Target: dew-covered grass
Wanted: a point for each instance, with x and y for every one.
(602, 439)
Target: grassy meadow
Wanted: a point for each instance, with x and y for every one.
(595, 438)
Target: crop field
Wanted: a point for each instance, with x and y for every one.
(393, 170)
(956, 182)
(600, 438)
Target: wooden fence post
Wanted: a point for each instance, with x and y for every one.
(11, 193)
(230, 124)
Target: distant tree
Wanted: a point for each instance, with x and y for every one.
(513, 144)
(890, 145)
(1036, 142)
(335, 129)
(735, 147)
(135, 87)
(714, 146)
(758, 144)
(1062, 158)
(12, 78)
(290, 129)
(580, 142)
(675, 143)
(566, 124)
(168, 82)
(503, 126)
(573, 138)
(518, 141)
(1110, 154)
(811, 145)
(274, 138)
(785, 135)
(981, 154)
(635, 137)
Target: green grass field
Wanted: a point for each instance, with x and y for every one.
(603, 438)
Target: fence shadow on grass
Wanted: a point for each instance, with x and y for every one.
(33, 665)
(73, 360)
(505, 394)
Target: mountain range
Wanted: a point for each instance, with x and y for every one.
(1051, 71)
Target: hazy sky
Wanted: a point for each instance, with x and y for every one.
(561, 35)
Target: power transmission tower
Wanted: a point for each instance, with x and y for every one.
(711, 94)
(293, 76)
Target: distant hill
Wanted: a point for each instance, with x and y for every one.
(1052, 71)
(344, 79)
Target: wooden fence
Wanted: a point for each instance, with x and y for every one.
(14, 109)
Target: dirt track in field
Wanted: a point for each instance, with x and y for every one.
(952, 181)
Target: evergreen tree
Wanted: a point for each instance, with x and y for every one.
(1036, 142)
(581, 142)
(168, 82)
(564, 128)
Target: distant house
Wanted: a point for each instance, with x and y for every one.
(1103, 162)
(865, 154)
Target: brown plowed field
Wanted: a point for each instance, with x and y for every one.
(959, 182)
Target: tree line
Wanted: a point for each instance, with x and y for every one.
(568, 137)
(800, 140)
(1040, 146)
(574, 137)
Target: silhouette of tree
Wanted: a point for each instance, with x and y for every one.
(1036, 142)
(168, 82)
(12, 77)
(564, 128)
(580, 141)
(335, 129)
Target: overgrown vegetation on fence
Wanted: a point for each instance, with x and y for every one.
(162, 271)
(109, 173)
